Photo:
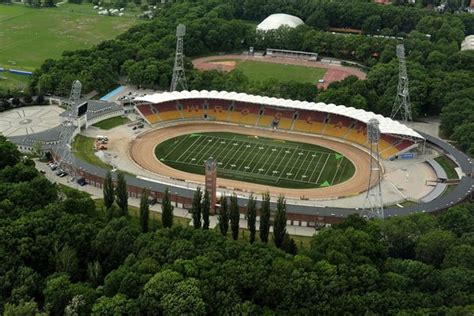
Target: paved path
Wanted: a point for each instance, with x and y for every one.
(96, 193)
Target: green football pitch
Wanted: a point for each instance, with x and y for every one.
(260, 71)
(256, 159)
(28, 35)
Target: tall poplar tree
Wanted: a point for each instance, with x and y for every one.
(121, 194)
(234, 216)
(144, 211)
(265, 217)
(251, 217)
(166, 210)
(196, 210)
(279, 223)
(205, 209)
(223, 216)
(108, 190)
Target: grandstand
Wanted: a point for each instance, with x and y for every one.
(327, 120)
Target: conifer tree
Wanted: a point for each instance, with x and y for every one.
(234, 216)
(251, 217)
(196, 210)
(223, 216)
(265, 217)
(166, 210)
(279, 223)
(108, 190)
(144, 211)
(205, 209)
(121, 194)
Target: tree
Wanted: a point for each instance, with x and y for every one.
(108, 190)
(196, 209)
(185, 299)
(144, 211)
(10, 154)
(223, 216)
(265, 217)
(234, 216)
(116, 305)
(251, 217)
(121, 194)
(433, 246)
(205, 207)
(279, 223)
(166, 210)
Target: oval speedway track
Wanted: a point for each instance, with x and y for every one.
(142, 152)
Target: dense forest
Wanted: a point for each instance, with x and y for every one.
(61, 255)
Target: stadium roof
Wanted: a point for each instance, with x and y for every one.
(274, 21)
(387, 125)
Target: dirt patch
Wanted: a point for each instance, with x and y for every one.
(142, 151)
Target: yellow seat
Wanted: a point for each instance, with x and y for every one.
(170, 115)
(383, 145)
(301, 126)
(389, 152)
(265, 121)
(234, 117)
(153, 118)
(285, 123)
(356, 137)
(317, 127)
(249, 119)
(218, 115)
(193, 112)
(335, 131)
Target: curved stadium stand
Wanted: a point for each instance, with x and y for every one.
(335, 121)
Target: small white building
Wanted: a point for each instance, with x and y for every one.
(468, 43)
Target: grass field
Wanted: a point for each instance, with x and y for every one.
(28, 36)
(258, 160)
(448, 166)
(84, 149)
(260, 71)
(112, 122)
(12, 81)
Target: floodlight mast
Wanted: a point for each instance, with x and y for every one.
(64, 156)
(373, 206)
(179, 77)
(402, 105)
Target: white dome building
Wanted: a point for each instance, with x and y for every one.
(274, 21)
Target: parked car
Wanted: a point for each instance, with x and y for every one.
(81, 181)
(42, 171)
(63, 174)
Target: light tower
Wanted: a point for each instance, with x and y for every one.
(179, 78)
(64, 155)
(402, 100)
(373, 206)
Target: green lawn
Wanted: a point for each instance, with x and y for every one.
(257, 159)
(84, 149)
(260, 71)
(12, 81)
(28, 36)
(112, 122)
(448, 165)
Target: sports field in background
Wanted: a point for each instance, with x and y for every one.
(260, 71)
(28, 36)
(256, 159)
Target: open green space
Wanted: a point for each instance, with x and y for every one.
(28, 36)
(256, 159)
(448, 165)
(112, 122)
(12, 81)
(260, 71)
(83, 148)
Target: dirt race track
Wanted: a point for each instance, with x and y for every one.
(226, 63)
(142, 152)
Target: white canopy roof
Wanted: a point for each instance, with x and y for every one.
(387, 125)
(274, 21)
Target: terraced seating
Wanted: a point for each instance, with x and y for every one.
(193, 108)
(404, 144)
(309, 122)
(358, 133)
(391, 151)
(338, 126)
(168, 111)
(218, 110)
(284, 118)
(244, 114)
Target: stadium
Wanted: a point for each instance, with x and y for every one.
(317, 155)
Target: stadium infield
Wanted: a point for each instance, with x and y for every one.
(142, 153)
(257, 159)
